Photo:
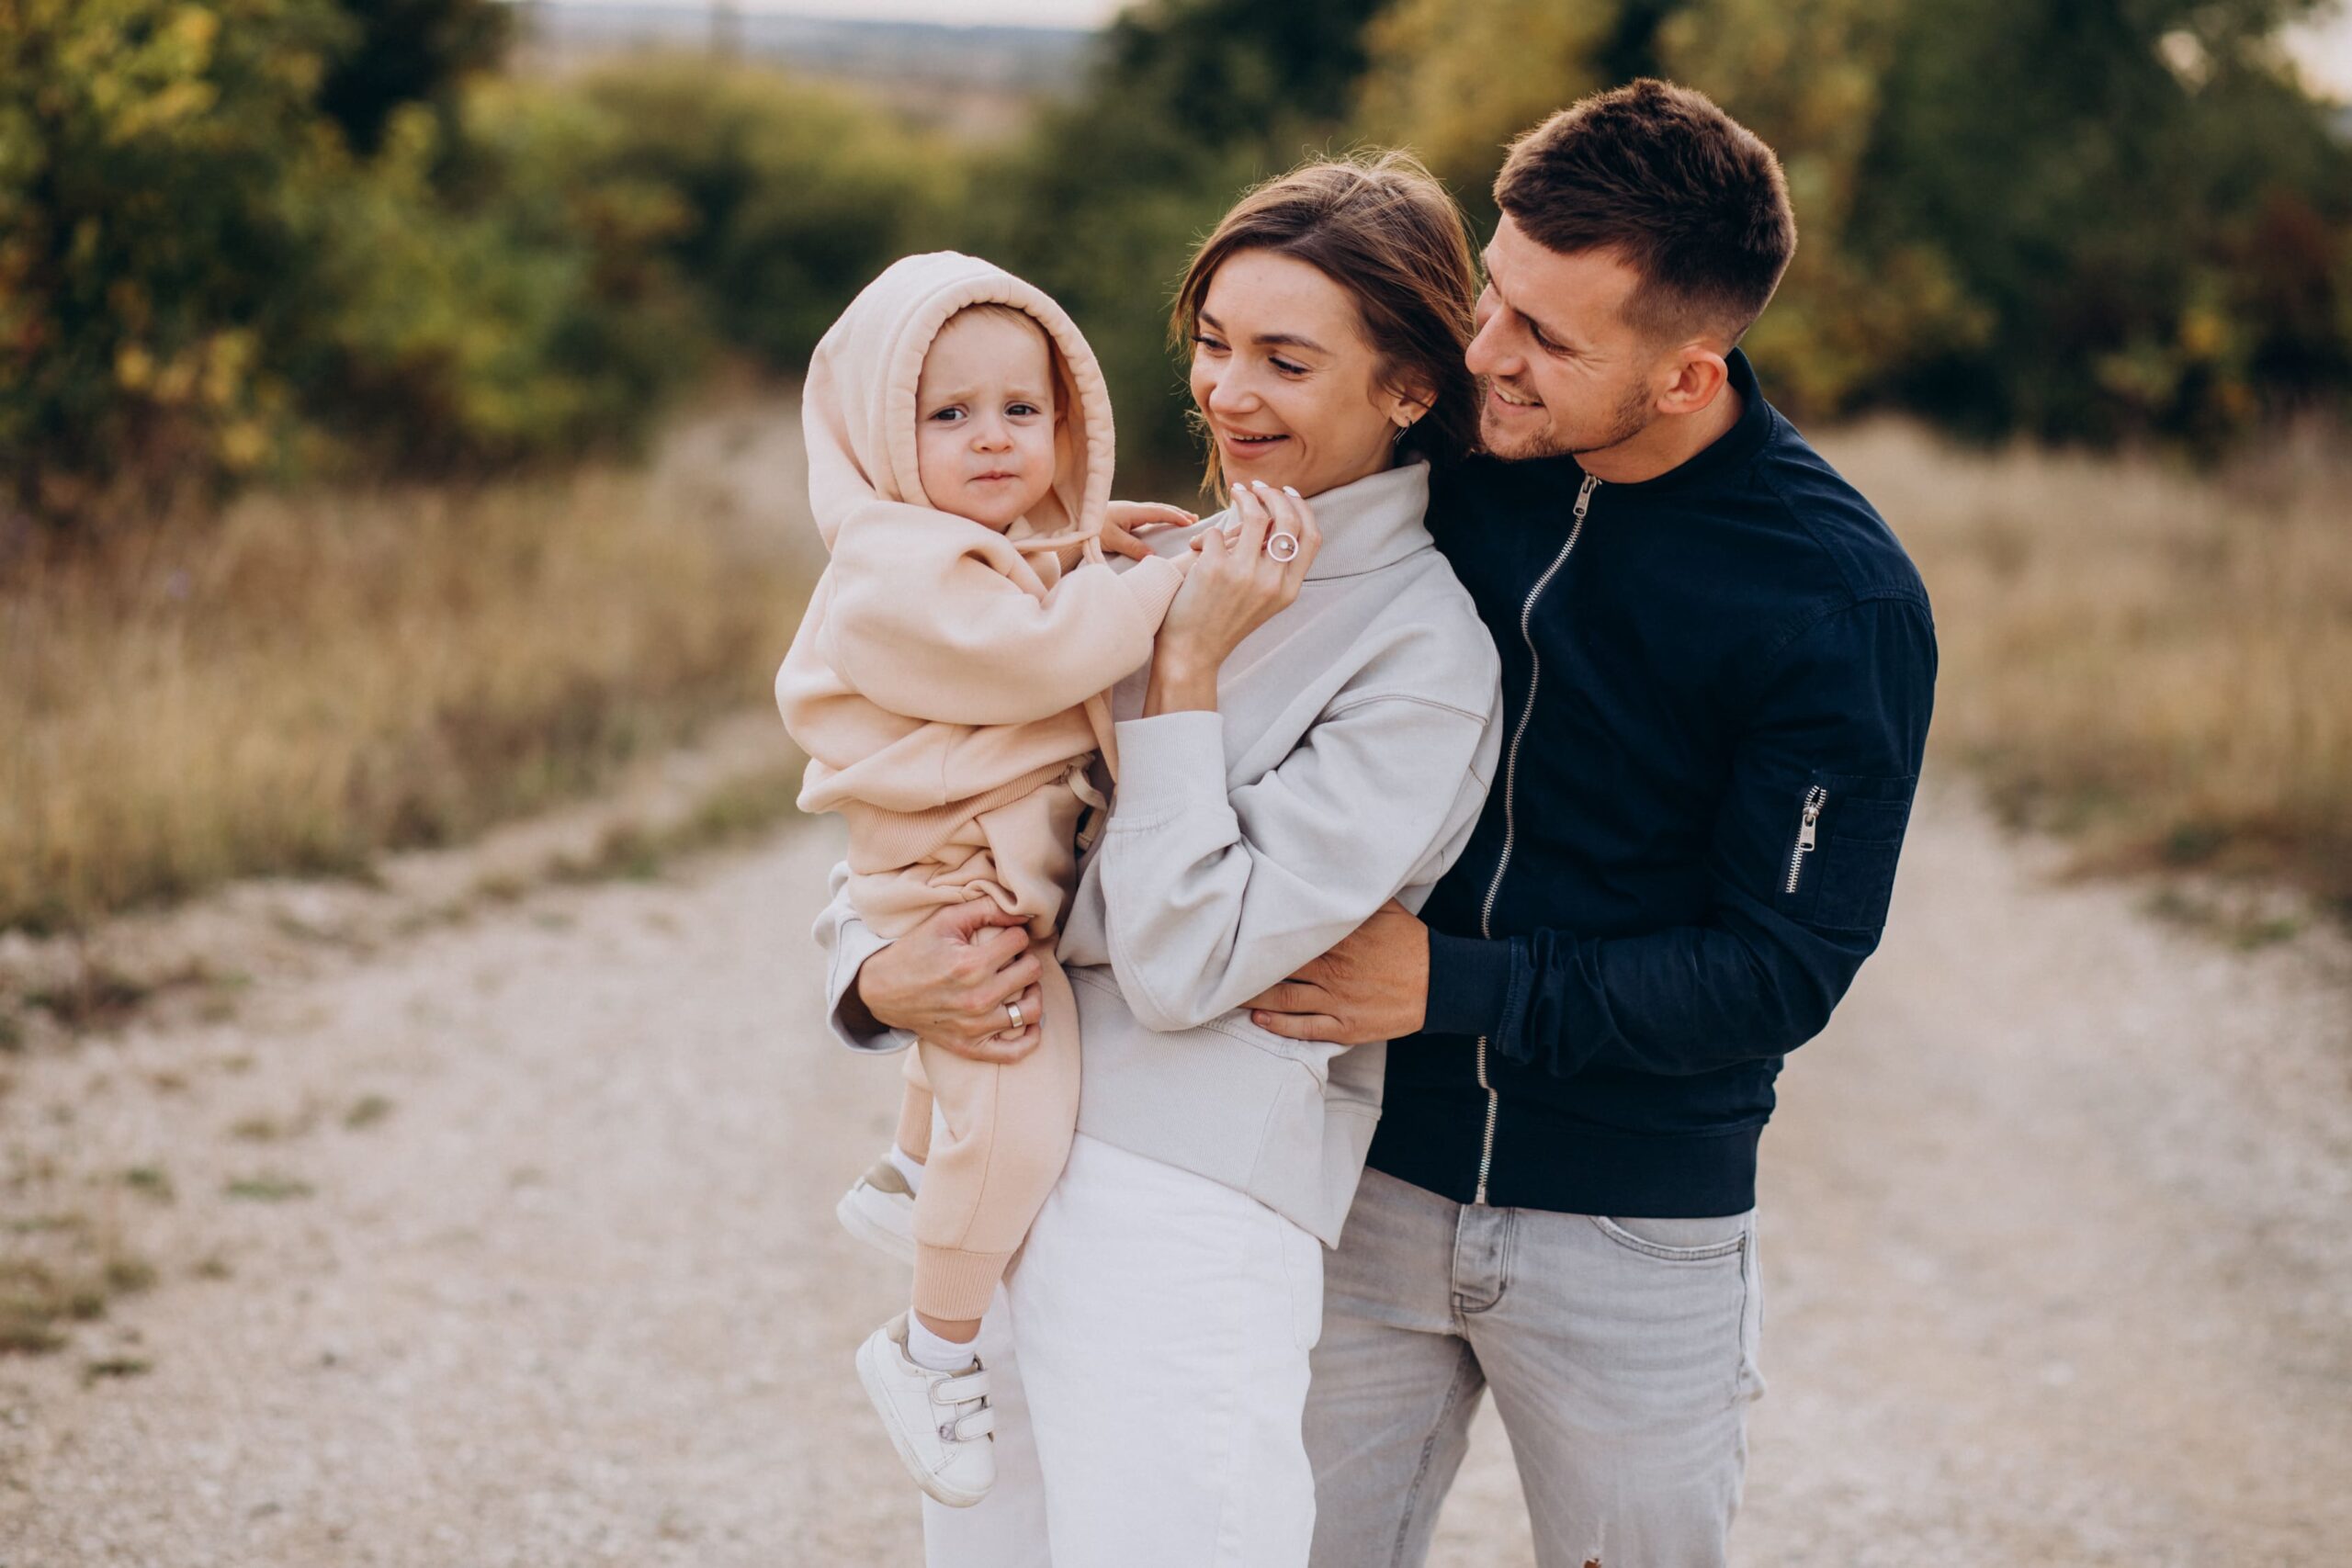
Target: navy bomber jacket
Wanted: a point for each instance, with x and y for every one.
(1716, 686)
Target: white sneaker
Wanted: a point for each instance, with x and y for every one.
(879, 1210)
(941, 1423)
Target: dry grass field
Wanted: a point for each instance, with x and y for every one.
(313, 679)
(2156, 663)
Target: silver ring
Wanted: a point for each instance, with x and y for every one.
(1282, 546)
(1012, 1010)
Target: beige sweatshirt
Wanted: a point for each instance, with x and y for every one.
(943, 668)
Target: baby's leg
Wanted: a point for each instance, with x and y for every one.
(914, 1112)
(1007, 1137)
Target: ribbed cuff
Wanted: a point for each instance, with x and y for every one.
(1154, 582)
(956, 1285)
(1469, 985)
(1169, 765)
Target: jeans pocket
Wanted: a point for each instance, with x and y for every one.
(1677, 1241)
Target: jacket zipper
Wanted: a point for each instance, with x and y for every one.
(1815, 800)
(1510, 826)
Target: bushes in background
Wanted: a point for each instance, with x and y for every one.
(274, 238)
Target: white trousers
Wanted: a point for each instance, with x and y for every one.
(1148, 1358)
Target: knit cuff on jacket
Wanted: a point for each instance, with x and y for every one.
(1469, 985)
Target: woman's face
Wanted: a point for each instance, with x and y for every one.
(1283, 372)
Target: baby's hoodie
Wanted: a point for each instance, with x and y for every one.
(944, 669)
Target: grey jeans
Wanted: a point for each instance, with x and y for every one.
(1622, 1353)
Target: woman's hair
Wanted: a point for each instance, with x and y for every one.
(1380, 226)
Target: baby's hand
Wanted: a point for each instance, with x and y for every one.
(1122, 519)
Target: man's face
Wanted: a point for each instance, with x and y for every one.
(1563, 371)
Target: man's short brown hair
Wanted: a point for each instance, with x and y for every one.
(1680, 191)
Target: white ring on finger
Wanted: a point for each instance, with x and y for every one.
(1283, 546)
(1012, 1011)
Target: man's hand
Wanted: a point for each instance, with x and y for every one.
(1374, 985)
(947, 980)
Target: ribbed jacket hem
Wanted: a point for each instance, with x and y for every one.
(1552, 1163)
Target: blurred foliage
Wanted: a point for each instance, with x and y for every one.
(406, 51)
(272, 237)
(778, 198)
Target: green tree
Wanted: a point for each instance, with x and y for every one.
(2152, 212)
(154, 162)
(409, 51)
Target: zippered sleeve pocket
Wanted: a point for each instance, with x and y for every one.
(1844, 836)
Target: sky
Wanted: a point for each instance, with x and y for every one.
(2323, 48)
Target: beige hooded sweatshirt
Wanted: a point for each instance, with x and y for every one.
(944, 672)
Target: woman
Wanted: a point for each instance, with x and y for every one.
(1314, 734)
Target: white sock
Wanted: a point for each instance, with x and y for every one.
(931, 1352)
(909, 1166)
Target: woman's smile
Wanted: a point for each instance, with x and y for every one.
(1243, 444)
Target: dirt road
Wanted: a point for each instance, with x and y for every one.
(509, 1242)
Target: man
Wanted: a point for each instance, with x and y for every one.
(1717, 669)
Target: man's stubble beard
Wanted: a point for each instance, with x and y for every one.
(1631, 417)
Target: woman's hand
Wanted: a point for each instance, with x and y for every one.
(1123, 519)
(947, 980)
(1234, 588)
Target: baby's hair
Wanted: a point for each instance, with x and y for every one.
(1015, 313)
(999, 308)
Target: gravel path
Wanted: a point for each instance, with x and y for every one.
(535, 1262)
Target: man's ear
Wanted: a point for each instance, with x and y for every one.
(1697, 375)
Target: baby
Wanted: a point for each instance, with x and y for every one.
(949, 685)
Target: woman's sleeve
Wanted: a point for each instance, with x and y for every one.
(1210, 897)
(953, 639)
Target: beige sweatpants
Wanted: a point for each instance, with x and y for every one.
(1005, 1130)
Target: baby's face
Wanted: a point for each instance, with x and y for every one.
(984, 413)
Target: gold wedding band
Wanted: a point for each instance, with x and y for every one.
(1012, 1010)
(1282, 546)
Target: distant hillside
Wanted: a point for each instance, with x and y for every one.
(974, 78)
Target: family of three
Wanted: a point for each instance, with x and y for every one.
(1348, 942)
